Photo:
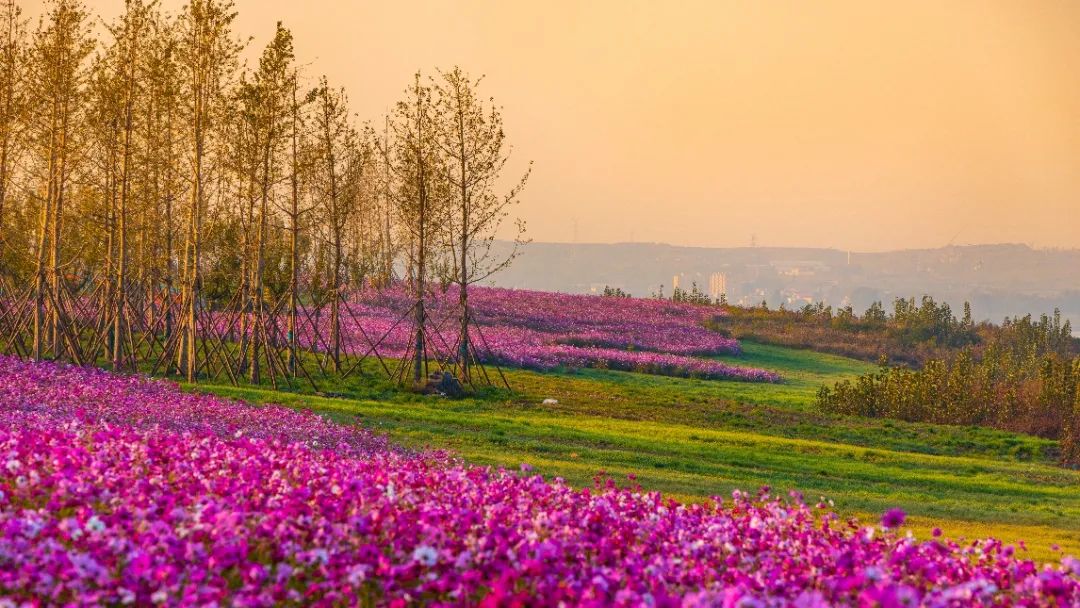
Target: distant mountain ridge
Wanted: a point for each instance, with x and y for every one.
(999, 280)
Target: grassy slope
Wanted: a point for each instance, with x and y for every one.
(693, 439)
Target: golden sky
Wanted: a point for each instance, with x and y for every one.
(861, 125)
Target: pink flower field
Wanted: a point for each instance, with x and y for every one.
(123, 491)
(543, 330)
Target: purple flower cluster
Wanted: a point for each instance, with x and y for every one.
(542, 330)
(640, 324)
(122, 491)
(93, 396)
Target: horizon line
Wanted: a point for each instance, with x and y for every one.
(1028, 246)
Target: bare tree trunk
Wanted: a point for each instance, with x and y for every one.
(193, 249)
(388, 248)
(335, 304)
(421, 249)
(464, 352)
(170, 267)
(55, 275)
(247, 219)
(257, 331)
(336, 225)
(39, 271)
(120, 314)
(107, 296)
(3, 182)
(294, 234)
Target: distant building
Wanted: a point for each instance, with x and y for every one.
(675, 282)
(717, 285)
(801, 268)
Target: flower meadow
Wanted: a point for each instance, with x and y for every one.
(124, 491)
(543, 330)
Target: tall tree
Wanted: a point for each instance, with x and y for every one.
(267, 99)
(384, 208)
(336, 147)
(472, 142)
(294, 211)
(57, 74)
(12, 98)
(125, 66)
(207, 56)
(161, 106)
(419, 198)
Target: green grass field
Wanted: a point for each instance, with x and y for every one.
(692, 439)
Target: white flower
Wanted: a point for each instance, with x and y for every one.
(159, 596)
(94, 524)
(425, 555)
(13, 465)
(31, 528)
(357, 574)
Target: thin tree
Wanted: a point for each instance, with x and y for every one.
(57, 73)
(125, 61)
(12, 98)
(384, 185)
(472, 142)
(335, 143)
(419, 198)
(161, 116)
(207, 56)
(294, 211)
(267, 98)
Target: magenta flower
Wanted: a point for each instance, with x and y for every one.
(543, 331)
(117, 490)
(893, 518)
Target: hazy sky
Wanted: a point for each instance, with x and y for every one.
(863, 125)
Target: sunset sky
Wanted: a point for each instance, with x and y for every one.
(857, 125)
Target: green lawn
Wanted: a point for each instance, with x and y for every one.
(697, 438)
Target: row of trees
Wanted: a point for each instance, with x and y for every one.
(694, 295)
(151, 177)
(912, 332)
(1026, 379)
(910, 322)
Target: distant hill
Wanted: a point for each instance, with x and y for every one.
(998, 280)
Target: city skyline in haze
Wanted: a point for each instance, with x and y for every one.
(862, 126)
